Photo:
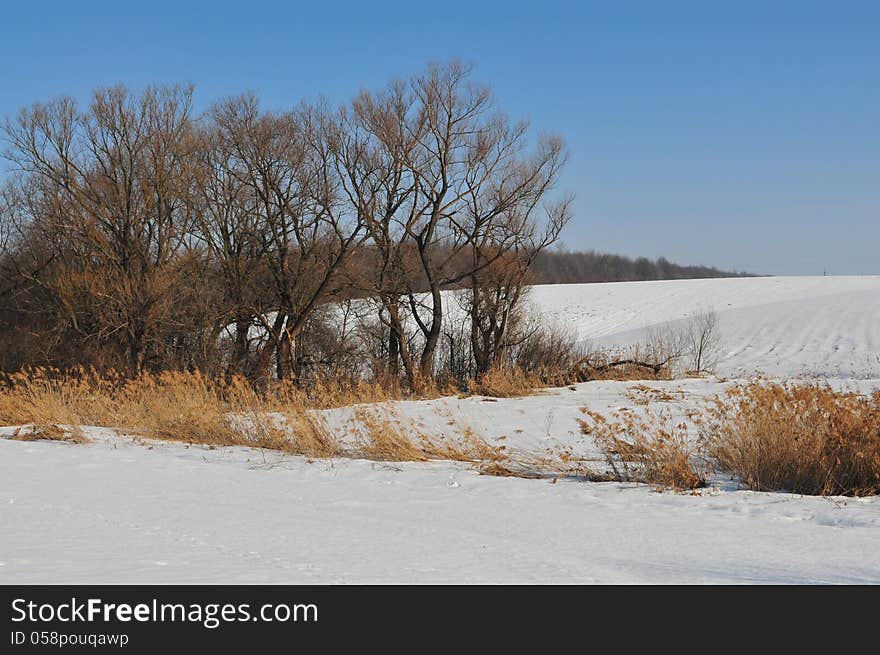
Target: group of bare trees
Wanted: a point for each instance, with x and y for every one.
(136, 235)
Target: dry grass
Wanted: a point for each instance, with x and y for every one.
(50, 433)
(642, 394)
(805, 439)
(505, 382)
(468, 446)
(45, 397)
(800, 438)
(552, 464)
(650, 449)
(187, 407)
(384, 435)
(177, 406)
(193, 408)
(310, 436)
(328, 393)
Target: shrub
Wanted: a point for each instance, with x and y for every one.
(801, 438)
(702, 341)
(550, 354)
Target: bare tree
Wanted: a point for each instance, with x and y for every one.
(229, 224)
(372, 148)
(8, 212)
(286, 211)
(506, 228)
(703, 341)
(440, 179)
(115, 181)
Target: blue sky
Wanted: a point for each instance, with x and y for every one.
(743, 135)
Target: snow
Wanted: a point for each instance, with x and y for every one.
(780, 326)
(118, 510)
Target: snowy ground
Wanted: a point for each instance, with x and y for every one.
(780, 326)
(116, 511)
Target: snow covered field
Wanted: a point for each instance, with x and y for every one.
(780, 326)
(117, 511)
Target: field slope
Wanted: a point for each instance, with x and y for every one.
(782, 326)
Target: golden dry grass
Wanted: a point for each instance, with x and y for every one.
(505, 382)
(383, 435)
(187, 407)
(801, 438)
(328, 393)
(50, 433)
(45, 396)
(307, 435)
(642, 394)
(193, 408)
(551, 464)
(651, 449)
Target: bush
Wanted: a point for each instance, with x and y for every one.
(550, 354)
(800, 438)
(702, 341)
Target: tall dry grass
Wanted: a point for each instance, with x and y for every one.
(505, 381)
(172, 405)
(194, 408)
(651, 449)
(45, 397)
(383, 434)
(801, 438)
(792, 437)
(31, 432)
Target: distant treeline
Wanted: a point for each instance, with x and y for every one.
(555, 267)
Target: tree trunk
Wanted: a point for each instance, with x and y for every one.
(241, 355)
(432, 337)
(393, 353)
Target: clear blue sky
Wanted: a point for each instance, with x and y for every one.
(737, 134)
